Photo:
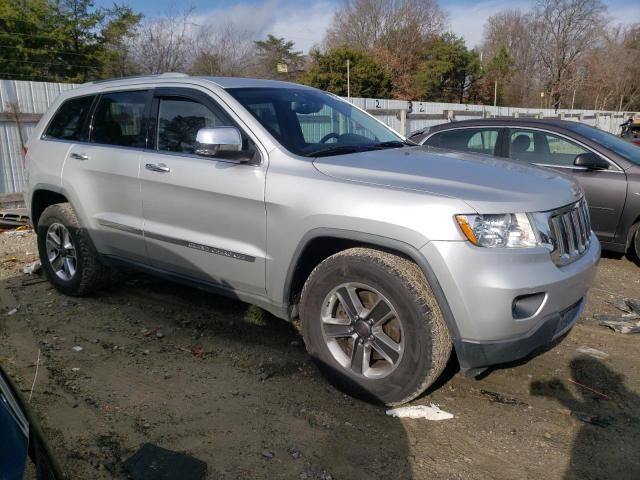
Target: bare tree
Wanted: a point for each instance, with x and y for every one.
(512, 29)
(226, 51)
(395, 31)
(564, 30)
(392, 24)
(166, 44)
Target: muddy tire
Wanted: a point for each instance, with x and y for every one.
(373, 326)
(66, 253)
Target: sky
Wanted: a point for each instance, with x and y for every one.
(305, 22)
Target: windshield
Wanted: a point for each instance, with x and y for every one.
(626, 150)
(312, 123)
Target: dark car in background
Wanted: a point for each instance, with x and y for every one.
(607, 167)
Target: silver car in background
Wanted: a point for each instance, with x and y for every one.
(294, 200)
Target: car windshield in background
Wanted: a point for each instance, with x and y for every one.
(311, 123)
(626, 150)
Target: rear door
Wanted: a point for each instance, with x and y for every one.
(205, 217)
(103, 174)
(606, 190)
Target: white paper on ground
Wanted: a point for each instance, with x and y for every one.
(420, 411)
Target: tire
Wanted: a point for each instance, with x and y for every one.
(634, 248)
(83, 274)
(407, 352)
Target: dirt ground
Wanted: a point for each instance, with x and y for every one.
(233, 386)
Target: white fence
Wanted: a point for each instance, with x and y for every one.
(404, 117)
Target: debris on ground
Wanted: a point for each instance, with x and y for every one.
(592, 352)
(267, 454)
(501, 398)
(622, 325)
(420, 411)
(77, 348)
(13, 311)
(151, 462)
(591, 419)
(33, 267)
(626, 305)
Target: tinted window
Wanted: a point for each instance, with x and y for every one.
(474, 140)
(544, 148)
(179, 121)
(69, 120)
(625, 149)
(119, 119)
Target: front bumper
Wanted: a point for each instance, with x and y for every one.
(481, 286)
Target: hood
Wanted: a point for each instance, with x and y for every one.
(487, 184)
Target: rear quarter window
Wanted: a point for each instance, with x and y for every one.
(68, 123)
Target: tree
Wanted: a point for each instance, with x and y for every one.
(274, 51)
(117, 37)
(564, 31)
(328, 71)
(77, 24)
(227, 51)
(165, 44)
(495, 74)
(390, 24)
(30, 46)
(394, 31)
(512, 30)
(447, 71)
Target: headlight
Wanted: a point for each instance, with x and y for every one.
(510, 230)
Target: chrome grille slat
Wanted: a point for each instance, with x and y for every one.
(571, 232)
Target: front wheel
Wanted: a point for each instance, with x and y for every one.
(372, 324)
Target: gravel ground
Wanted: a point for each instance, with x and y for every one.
(233, 386)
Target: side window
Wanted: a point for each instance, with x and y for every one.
(466, 140)
(483, 141)
(69, 120)
(119, 119)
(179, 120)
(562, 152)
(522, 146)
(543, 148)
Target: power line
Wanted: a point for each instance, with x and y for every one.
(64, 52)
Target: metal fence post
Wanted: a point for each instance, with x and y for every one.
(403, 122)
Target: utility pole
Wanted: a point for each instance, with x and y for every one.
(348, 83)
(495, 93)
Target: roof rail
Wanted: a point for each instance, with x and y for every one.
(156, 75)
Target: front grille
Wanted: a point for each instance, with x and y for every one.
(571, 231)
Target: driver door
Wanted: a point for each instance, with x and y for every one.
(204, 217)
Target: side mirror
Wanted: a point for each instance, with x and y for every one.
(591, 161)
(212, 141)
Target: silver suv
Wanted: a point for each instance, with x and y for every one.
(294, 200)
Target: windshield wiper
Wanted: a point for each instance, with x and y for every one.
(342, 149)
(393, 144)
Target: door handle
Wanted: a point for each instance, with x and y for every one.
(80, 156)
(157, 167)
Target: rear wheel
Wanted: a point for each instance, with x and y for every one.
(66, 253)
(372, 324)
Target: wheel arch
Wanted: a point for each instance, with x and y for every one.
(321, 243)
(43, 197)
